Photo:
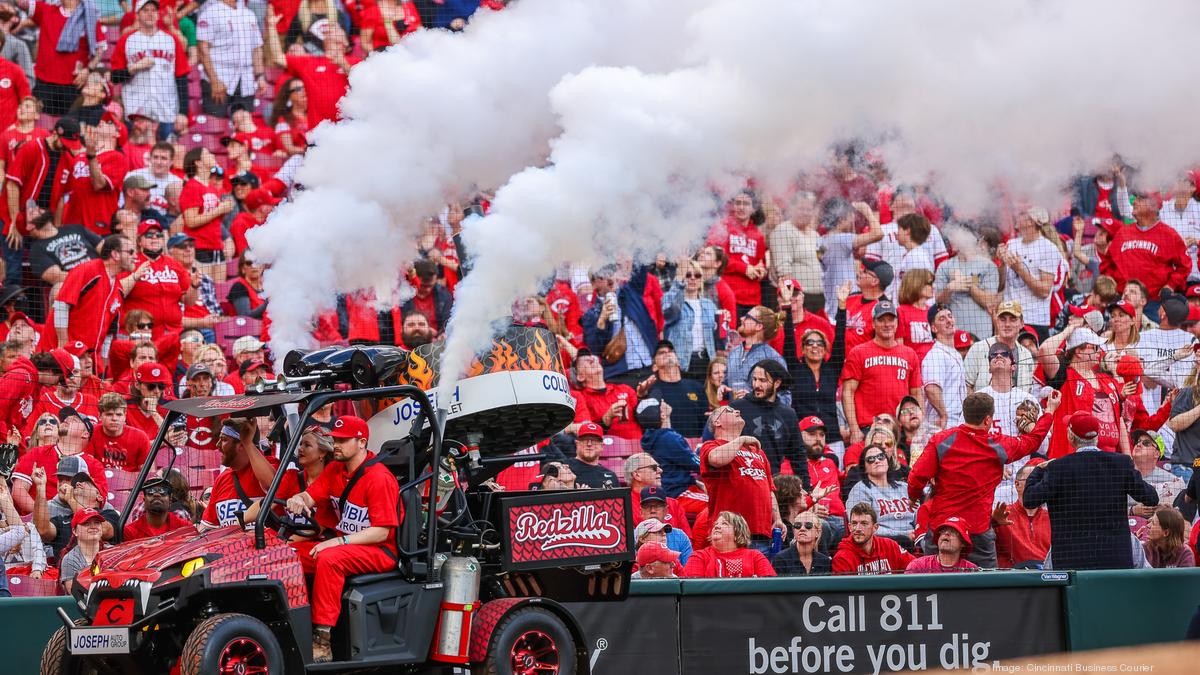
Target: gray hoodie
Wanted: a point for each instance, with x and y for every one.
(896, 514)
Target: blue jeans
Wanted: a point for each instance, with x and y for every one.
(12, 261)
(763, 546)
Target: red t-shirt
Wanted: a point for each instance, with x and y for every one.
(743, 486)
(138, 155)
(95, 300)
(242, 223)
(51, 65)
(13, 138)
(14, 86)
(372, 502)
(860, 327)
(138, 419)
(884, 377)
(128, 451)
(225, 502)
(825, 472)
(427, 306)
(324, 81)
(740, 563)
(744, 247)
(372, 17)
(90, 207)
(160, 291)
(207, 198)
(591, 404)
(47, 456)
(141, 529)
(913, 329)
(200, 433)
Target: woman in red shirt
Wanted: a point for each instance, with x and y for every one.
(730, 555)
(245, 296)
(1084, 387)
(916, 290)
(202, 209)
(289, 116)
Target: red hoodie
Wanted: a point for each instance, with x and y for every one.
(885, 556)
(17, 387)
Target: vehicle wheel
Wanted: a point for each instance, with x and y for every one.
(530, 641)
(231, 644)
(57, 659)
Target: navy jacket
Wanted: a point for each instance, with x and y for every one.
(1086, 495)
(679, 462)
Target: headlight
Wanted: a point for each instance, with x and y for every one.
(191, 566)
(95, 567)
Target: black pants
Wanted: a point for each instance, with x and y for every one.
(698, 366)
(215, 109)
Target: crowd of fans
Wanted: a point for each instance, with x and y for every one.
(842, 378)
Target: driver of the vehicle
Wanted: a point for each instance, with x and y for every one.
(358, 498)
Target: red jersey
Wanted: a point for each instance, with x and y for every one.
(95, 299)
(371, 503)
(885, 556)
(968, 465)
(325, 82)
(913, 329)
(138, 419)
(744, 248)
(201, 435)
(1157, 257)
(160, 291)
(743, 486)
(14, 86)
(885, 375)
(138, 155)
(1104, 402)
(31, 167)
(88, 206)
(128, 451)
(225, 502)
(860, 327)
(206, 198)
(242, 223)
(47, 456)
(18, 385)
(13, 138)
(51, 65)
(591, 404)
(740, 563)
(49, 402)
(142, 529)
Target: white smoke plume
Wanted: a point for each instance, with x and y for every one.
(1024, 93)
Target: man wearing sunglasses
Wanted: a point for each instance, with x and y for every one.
(151, 384)
(74, 432)
(164, 287)
(92, 294)
(158, 517)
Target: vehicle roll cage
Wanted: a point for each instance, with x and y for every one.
(315, 401)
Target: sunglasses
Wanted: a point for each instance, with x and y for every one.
(47, 421)
(154, 234)
(909, 411)
(806, 525)
(157, 491)
(146, 325)
(154, 385)
(751, 317)
(653, 467)
(694, 276)
(875, 458)
(814, 343)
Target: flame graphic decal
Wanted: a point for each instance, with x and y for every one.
(419, 373)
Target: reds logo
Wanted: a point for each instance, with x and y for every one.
(585, 526)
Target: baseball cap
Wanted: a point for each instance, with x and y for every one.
(153, 373)
(907, 399)
(251, 365)
(142, 3)
(119, 124)
(1174, 308)
(350, 426)
(84, 515)
(1085, 425)
(242, 138)
(259, 197)
(1193, 291)
(20, 316)
(71, 465)
(650, 525)
(139, 182)
(155, 482)
(655, 551)
(66, 361)
(1028, 331)
(68, 412)
(999, 349)
(664, 343)
(180, 239)
(653, 494)
(10, 294)
(960, 526)
(1084, 336)
(649, 413)
(881, 270)
(149, 224)
(962, 339)
(793, 284)
(277, 188)
(1129, 366)
(244, 178)
(590, 428)
(936, 309)
(78, 348)
(1193, 315)
(199, 369)
(82, 477)
(1010, 307)
(883, 308)
(811, 422)
(67, 129)
(247, 343)
(1123, 306)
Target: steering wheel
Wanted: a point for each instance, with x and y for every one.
(307, 527)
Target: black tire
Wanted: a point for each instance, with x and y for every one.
(57, 659)
(230, 636)
(531, 627)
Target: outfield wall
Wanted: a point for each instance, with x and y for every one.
(826, 624)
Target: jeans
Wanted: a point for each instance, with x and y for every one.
(763, 546)
(13, 257)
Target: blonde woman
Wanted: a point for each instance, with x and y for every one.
(729, 555)
(916, 294)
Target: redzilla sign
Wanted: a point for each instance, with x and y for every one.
(575, 527)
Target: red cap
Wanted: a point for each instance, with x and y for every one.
(122, 131)
(962, 339)
(1079, 311)
(21, 316)
(811, 422)
(65, 360)
(277, 188)
(960, 526)
(590, 428)
(77, 348)
(153, 373)
(350, 426)
(1125, 307)
(653, 551)
(796, 287)
(149, 224)
(1129, 366)
(83, 515)
(1193, 314)
(1084, 425)
(257, 198)
(1193, 291)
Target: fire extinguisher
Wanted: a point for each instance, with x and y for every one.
(460, 581)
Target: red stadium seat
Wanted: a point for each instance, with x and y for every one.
(620, 448)
(46, 121)
(211, 126)
(119, 480)
(268, 162)
(229, 330)
(22, 586)
(119, 498)
(203, 459)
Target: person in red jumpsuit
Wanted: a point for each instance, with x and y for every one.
(355, 496)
